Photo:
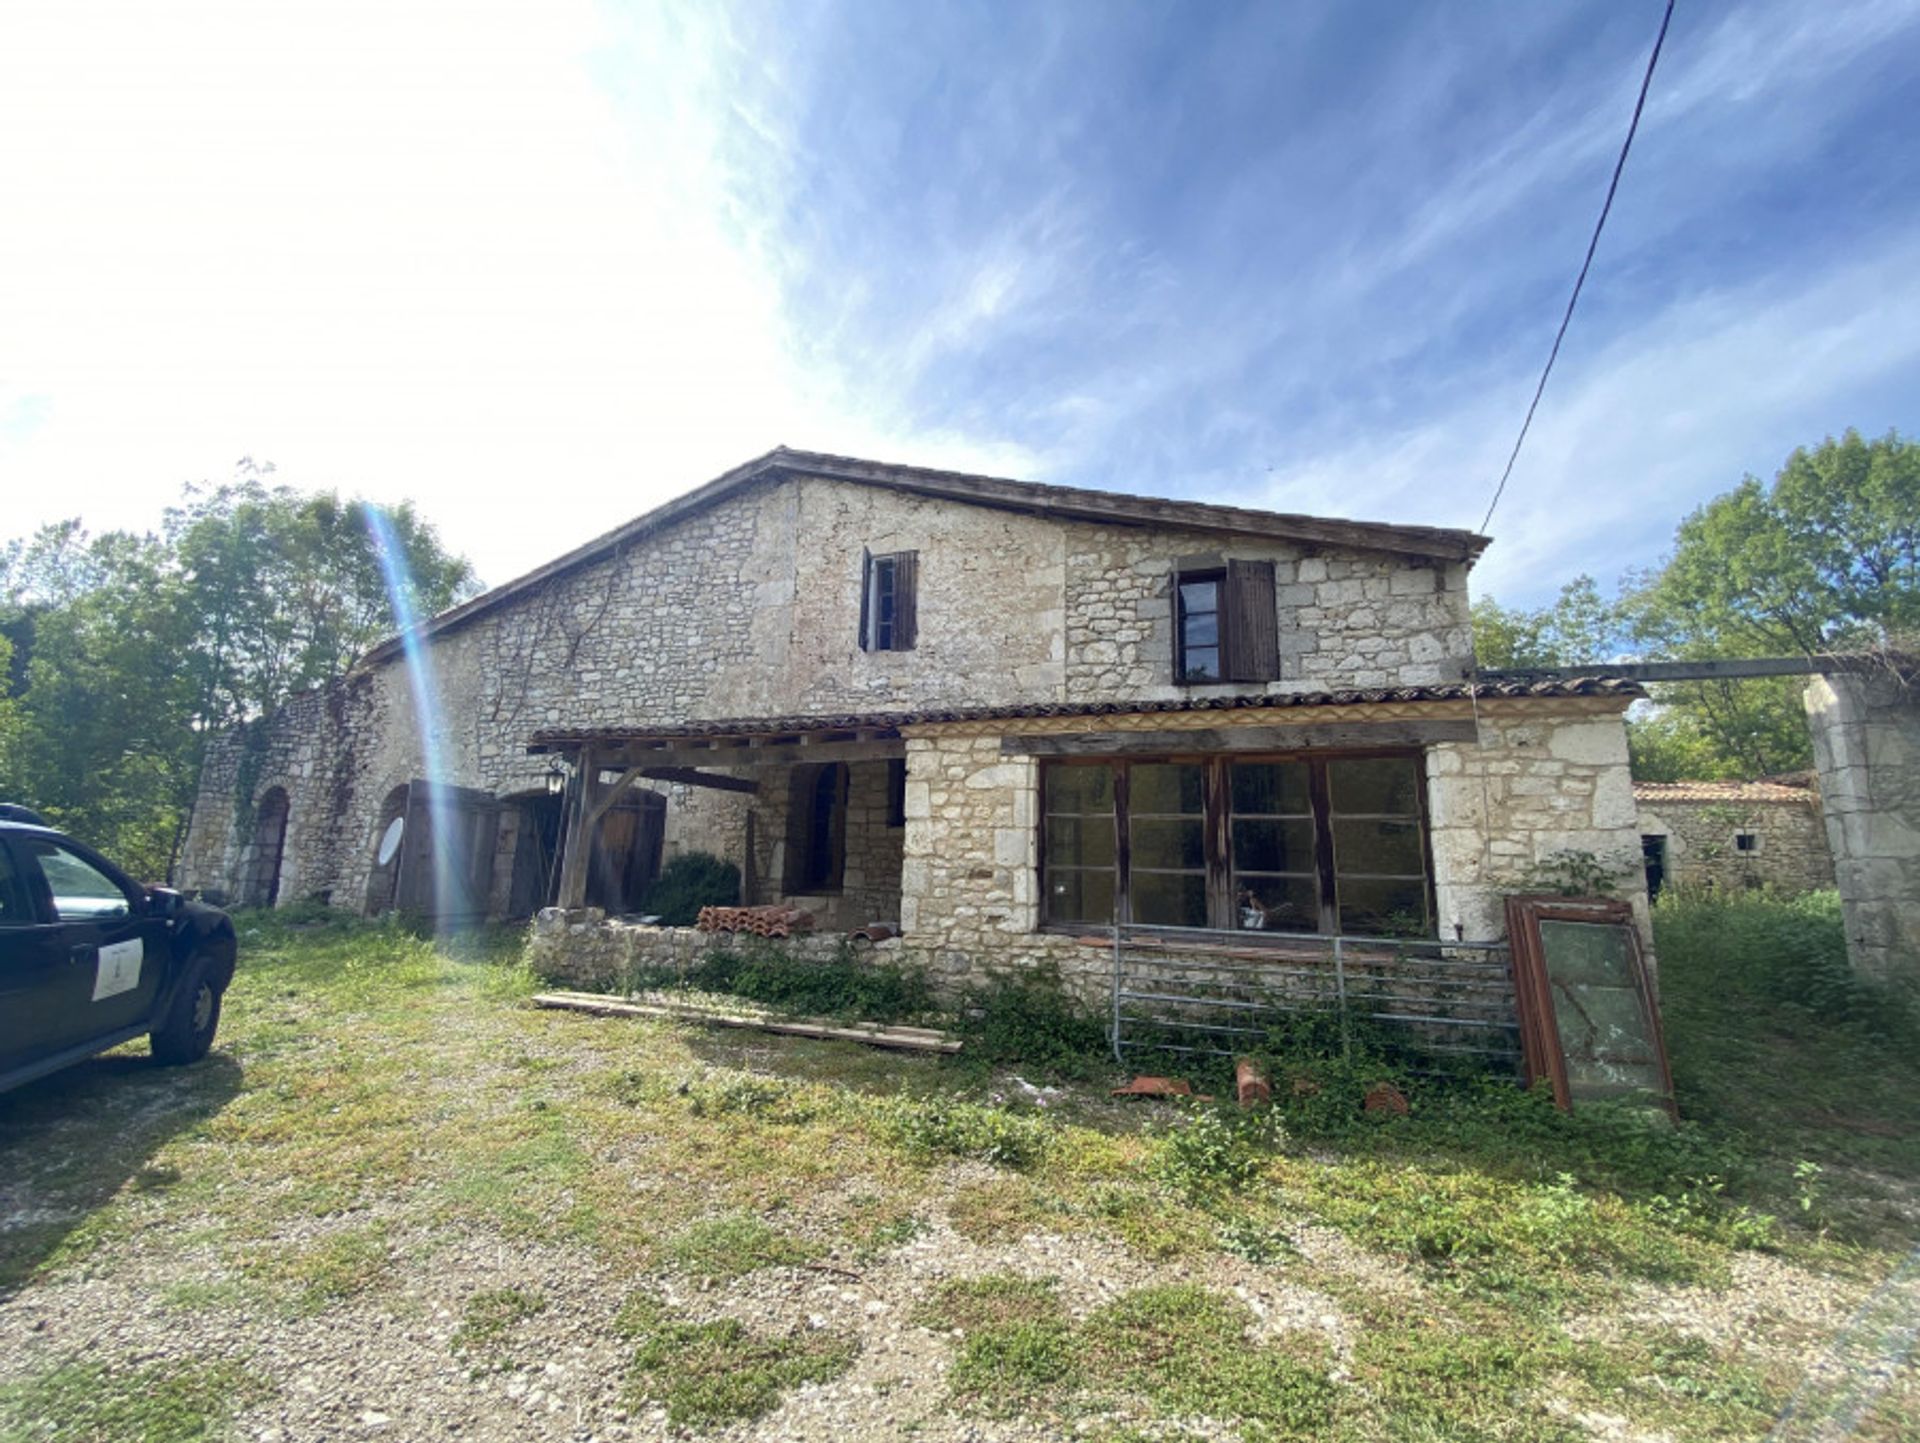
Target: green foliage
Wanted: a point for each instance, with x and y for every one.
(128, 651)
(689, 882)
(933, 1127)
(1826, 557)
(1775, 950)
(1217, 1148)
(1576, 874)
(1775, 1039)
(722, 1371)
(733, 1245)
(181, 1401)
(1580, 627)
(490, 1317)
(847, 985)
(1016, 1343)
(1029, 1020)
(1186, 1351)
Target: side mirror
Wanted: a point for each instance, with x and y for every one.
(164, 902)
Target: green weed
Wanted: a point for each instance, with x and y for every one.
(733, 1245)
(490, 1316)
(722, 1371)
(950, 1127)
(180, 1401)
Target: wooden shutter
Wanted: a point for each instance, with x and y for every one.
(906, 608)
(1251, 646)
(866, 597)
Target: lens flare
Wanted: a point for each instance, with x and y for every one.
(442, 820)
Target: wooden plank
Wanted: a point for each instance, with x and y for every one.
(783, 755)
(1358, 735)
(908, 1039)
(694, 777)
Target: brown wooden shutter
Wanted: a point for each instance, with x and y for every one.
(906, 599)
(1252, 642)
(866, 596)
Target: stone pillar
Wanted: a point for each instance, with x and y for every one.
(1866, 744)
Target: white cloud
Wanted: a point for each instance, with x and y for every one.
(405, 250)
(1633, 436)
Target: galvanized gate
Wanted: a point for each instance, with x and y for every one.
(1197, 990)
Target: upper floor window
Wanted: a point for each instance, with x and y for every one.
(1226, 621)
(889, 609)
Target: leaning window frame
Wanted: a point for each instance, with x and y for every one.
(1218, 844)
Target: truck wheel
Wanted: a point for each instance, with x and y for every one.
(186, 1032)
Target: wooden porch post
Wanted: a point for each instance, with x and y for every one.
(579, 832)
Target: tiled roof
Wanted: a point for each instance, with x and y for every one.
(1065, 502)
(1772, 793)
(550, 737)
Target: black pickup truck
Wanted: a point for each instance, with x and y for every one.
(90, 959)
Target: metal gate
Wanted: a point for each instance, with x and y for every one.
(1197, 990)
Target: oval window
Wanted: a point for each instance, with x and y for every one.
(390, 841)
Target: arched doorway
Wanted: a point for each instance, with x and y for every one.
(389, 835)
(269, 849)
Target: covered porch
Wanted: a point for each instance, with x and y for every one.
(811, 810)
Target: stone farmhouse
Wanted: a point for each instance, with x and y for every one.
(1734, 835)
(993, 714)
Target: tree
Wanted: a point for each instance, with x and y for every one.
(1827, 558)
(1580, 628)
(127, 651)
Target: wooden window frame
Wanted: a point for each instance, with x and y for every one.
(1541, 1054)
(1218, 814)
(889, 601)
(1215, 577)
(1246, 642)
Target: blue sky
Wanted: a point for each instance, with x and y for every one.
(1307, 256)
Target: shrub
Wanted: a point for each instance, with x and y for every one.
(1217, 1149)
(689, 882)
(846, 985)
(946, 1126)
(1771, 949)
(1029, 1020)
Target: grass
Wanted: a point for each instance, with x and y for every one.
(489, 1320)
(376, 1094)
(82, 1402)
(721, 1371)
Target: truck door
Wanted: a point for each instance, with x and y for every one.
(32, 964)
(111, 950)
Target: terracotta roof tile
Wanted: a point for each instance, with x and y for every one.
(1772, 793)
(550, 737)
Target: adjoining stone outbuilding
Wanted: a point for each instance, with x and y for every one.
(996, 715)
(1734, 835)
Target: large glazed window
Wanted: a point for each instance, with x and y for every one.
(1080, 843)
(1270, 843)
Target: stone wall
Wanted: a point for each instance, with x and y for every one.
(583, 951)
(1701, 850)
(1346, 620)
(750, 608)
(1546, 780)
(1866, 745)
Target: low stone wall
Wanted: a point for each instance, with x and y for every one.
(584, 951)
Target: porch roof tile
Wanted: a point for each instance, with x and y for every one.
(883, 722)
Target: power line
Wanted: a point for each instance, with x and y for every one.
(1592, 245)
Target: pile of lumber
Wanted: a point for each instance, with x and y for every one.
(773, 921)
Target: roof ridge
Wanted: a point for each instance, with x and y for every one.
(1110, 507)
